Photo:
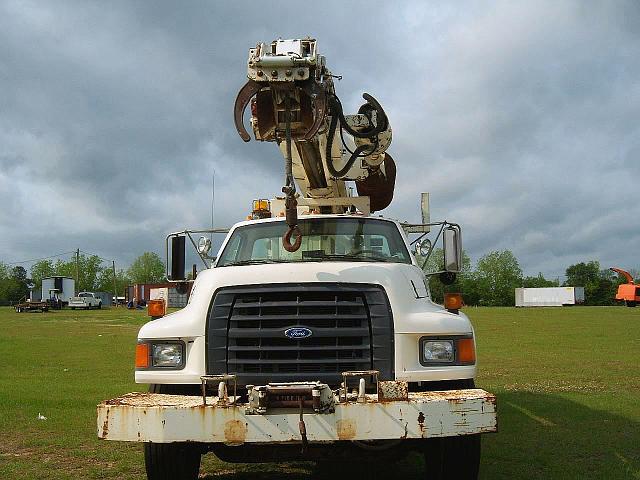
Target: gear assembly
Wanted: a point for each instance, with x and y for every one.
(293, 103)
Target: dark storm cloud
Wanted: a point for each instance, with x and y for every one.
(520, 119)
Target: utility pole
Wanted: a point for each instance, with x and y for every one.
(77, 271)
(115, 288)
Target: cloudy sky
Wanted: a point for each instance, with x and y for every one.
(521, 118)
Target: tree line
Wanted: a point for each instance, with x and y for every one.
(491, 282)
(91, 272)
(496, 275)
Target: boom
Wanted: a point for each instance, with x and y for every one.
(294, 104)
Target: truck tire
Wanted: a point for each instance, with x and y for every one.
(171, 461)
(453, 457)
(99, 305)
(630, 303)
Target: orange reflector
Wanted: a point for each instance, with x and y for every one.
(466, 351)
(142, 355)
(453, 301)
(156, 308)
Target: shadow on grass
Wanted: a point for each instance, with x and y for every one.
(541, 436)
(549, 436)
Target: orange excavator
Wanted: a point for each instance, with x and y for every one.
(629, 292)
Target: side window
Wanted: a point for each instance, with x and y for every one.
(234, 247)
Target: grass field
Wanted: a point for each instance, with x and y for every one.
(567, 380)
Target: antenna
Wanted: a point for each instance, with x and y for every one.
(213, 201)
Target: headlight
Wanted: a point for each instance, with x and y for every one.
(438, 351)
(160, 354)
(448, 350)
(167, 355)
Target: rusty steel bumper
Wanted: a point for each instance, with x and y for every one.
(152, 417)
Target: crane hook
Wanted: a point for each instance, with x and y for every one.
(286, 239)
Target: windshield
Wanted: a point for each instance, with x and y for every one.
(323, 239)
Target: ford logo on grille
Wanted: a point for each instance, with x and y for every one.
(296, 333)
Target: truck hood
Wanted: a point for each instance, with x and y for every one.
(413, 310)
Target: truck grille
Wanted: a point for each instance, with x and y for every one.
(351, 329)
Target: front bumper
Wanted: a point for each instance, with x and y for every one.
(158, 418)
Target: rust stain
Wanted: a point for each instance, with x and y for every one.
(346, 429)
(105, 426)
(235, 432)
(423, 429)
(391, 391)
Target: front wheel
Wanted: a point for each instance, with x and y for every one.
(453, 457)
(171, 461)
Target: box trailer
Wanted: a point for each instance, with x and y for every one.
(64, 286)
(549, 296)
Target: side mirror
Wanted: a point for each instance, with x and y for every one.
(423, 248)
(204, 245)
(452, 248)
(177, 258)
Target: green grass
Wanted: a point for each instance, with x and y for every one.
(567, 381)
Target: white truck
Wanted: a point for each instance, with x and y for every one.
(320, 344)
(85, 300)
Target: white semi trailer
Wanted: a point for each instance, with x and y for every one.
(310, 337)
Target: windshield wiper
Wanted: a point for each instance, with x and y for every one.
(352, 257)
(253, 261)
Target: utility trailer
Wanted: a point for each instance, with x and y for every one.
(29, 306)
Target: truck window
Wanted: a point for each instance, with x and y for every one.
(323, 239)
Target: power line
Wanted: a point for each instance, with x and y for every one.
(94, 255)
(59, 255)
(43, 258)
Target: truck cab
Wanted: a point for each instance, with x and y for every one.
(351, 298)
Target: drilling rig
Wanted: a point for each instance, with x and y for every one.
(312, 334)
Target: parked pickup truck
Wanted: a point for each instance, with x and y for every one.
(86, 300)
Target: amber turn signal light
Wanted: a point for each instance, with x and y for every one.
(142, 355)
(466, 351)
(156, 308)
(453, 301)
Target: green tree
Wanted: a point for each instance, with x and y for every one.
(4, 283)
(147, 268)
(496, 277)
(13, 285)
(89, 269)
(42, 269)
(599, 285)
(539, 282)
(582, 274)
(105, 281)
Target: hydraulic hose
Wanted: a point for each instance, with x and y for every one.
(337, 115)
